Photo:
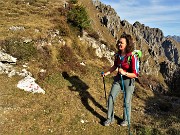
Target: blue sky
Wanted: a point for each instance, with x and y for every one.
(162, 14)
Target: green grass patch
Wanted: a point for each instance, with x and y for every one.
(20, 50)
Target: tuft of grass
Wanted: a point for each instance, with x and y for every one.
(144, 130)
(173, 131)
(62, 26)
(94, 35)
(20, 50)
(66, 55)
(36, 3)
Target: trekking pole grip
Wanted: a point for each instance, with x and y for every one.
(102, 73)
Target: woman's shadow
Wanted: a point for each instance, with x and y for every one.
(81, 87)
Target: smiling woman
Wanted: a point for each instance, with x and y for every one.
(124, 80)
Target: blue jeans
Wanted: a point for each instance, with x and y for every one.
(115, 89)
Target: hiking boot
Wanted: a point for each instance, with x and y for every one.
(124, 123)
(108, 122)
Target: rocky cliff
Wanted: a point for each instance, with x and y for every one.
(171, 50)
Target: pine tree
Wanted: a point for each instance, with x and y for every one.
(78, 17)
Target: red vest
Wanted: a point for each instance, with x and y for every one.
(124, 64)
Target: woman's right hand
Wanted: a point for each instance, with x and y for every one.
(103, 74)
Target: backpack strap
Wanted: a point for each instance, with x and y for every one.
(129, 57)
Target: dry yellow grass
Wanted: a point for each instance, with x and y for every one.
(68, 109)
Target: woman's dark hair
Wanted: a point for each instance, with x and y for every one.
(129, 42)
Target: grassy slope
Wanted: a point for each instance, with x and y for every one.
(69, 102)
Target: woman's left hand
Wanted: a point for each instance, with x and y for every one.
(121, 71)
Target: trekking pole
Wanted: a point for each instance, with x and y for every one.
(122, 81)
(104, 87)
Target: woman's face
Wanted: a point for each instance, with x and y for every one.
(121, 44)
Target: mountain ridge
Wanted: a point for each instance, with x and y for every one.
(175, 37)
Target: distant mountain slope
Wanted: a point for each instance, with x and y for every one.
(177, 38)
